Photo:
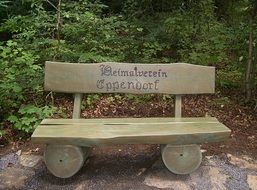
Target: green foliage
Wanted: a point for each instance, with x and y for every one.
(229, 78)
(19, 76)
(34, 31)
(29, 117)
(185, 31)
(2, 132)
(4, 3)
(166, 97)
(221, 102)
(20, 82)
(140, 99)
(90, 101)
(200, 42)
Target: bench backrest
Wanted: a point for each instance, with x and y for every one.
(174, 78)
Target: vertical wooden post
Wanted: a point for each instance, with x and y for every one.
(76, 115)
(77, 106)
(178, 105)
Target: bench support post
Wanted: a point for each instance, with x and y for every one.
(77, 106)
(178, 104)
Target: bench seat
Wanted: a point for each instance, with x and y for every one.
(108, 131)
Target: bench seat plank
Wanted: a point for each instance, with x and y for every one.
(99, 132)
(130, 120)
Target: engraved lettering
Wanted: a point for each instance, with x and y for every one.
(164, 74)
(131, 73)
(107, 70)
(108, 86)
(138, 85)
(131, 83)
(122, 85)
(124, 73)
(100, 84)
(115, 86)
(145, 86)
(150, 86)
(136, 71)
(155, 84)
(115, 79)
(140, 73)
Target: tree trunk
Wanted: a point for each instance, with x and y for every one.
(250, 61)
(58, 26)
(249, 68)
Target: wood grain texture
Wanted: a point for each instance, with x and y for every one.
(64, 160)
(77, 106)
(161, 132)
(181, 159)
(175, 78)
(178, 106)
(154, 120)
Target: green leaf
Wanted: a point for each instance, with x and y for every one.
(12, 118)
(29, 109)
(140, 29)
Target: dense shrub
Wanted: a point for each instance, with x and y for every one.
(20, 83)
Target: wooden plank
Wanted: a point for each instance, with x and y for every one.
(176, 78)
(77, 106)
(178, 106)
(94, 134)
(131, 120)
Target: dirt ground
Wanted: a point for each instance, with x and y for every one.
(134, 167)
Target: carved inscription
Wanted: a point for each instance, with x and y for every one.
(116, 79)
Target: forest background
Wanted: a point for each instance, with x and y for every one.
(204, 32)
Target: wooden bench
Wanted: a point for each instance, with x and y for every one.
(69, 140)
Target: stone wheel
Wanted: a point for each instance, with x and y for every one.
(65, 160)
(181, 159)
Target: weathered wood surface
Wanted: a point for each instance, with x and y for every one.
(83, 133)
(181, 159)
(64, 160)
(77, 106)
(176, 78)
(154, 120)
(178, 106)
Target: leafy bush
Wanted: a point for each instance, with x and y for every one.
(20, 83)
(20, 77)
(229, 78)
(29, 117)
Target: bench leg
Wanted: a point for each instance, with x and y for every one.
(181, 159)
(65, 160)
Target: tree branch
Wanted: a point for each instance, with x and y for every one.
(52, 5)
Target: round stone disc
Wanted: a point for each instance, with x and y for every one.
(181, 159)
(64, 160)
